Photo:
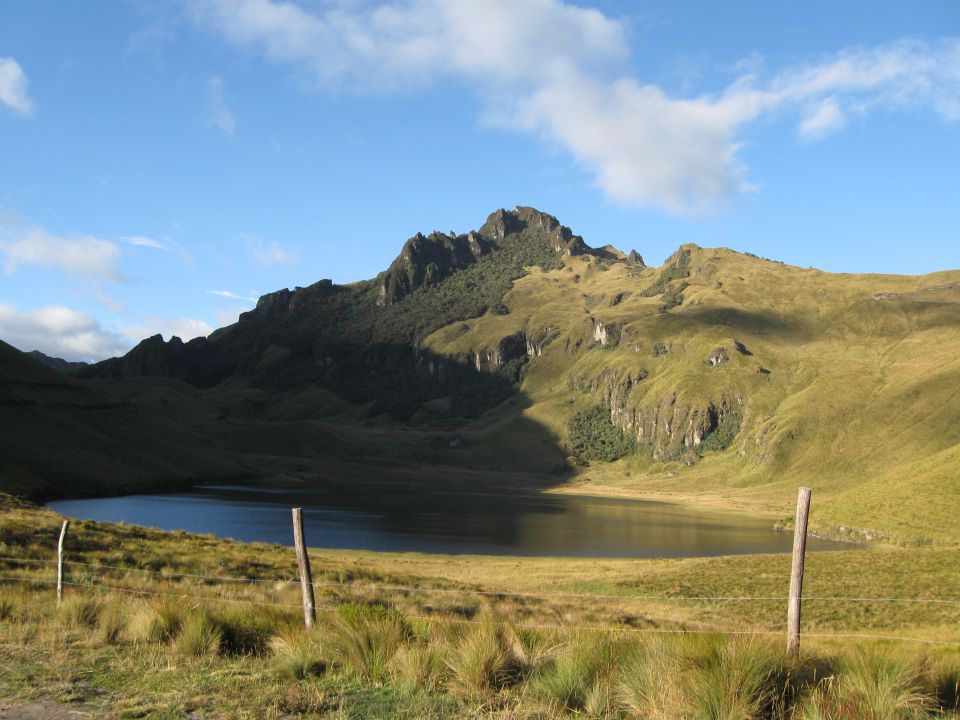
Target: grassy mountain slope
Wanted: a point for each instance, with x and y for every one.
(847, 383)
(719, 376)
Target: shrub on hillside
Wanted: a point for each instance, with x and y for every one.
(594, 437)
(723, 435)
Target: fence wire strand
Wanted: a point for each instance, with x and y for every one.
(493, 593)
(331, 607)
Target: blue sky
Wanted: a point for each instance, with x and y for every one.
(163, 164)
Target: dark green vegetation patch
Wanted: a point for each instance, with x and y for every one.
(594, 438)
(724, 434)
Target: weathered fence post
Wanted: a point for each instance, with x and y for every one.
(63, 536)
(796, 573)
(303, 564)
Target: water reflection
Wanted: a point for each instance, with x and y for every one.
(391, 517)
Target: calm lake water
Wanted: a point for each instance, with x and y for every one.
(400, 518)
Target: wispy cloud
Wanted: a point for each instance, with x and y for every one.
(558, 72)
(822, 119)
(60, 332)
(13, 87)
(219, 114)
(231, 295)
(272, 254)
(164, 245)
(143, 241)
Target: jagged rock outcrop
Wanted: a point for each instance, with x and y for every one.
(635, 258)
(508, 349)
(427, 261)
(717, 357)
(537, 340)
(152, 357)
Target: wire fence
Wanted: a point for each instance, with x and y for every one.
(329, 605)
(485, 593)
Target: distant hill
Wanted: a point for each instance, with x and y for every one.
(62, 437)
(519, 347)
(59, 364)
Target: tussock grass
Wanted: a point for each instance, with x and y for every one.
(245, 631)
(871, 684)
(486, 657)
(420, 665)
(112, 622)
(297, 653)
(200, 636)
(707, 676)
(155, 622)
(578, 676)
(80, 611)
(365, 639)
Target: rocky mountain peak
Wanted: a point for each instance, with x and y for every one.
(428, 260)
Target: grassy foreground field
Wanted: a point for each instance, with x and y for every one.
(170, 625)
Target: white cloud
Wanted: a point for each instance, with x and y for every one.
(272, 254)
(13, 87)
(232, 295)
(822, 119)
(60, 332)
(558, 71)
(82, 256)
(401, 44)
(219, 114)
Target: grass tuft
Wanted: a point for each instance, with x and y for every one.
(199, 637)
(297, 653)
(245, 631)
(112, 623)
(156, 622)
(365, 639)
(490, 656)
(871, 684)
(420, 665)
(78, 611)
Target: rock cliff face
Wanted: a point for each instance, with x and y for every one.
(363, 341)
(426, 261)
(669, 425)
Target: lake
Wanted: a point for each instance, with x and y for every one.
(399, 518)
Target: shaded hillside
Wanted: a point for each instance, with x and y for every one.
(364, 340)
(64, 437)
(55, 363)
(518, 347)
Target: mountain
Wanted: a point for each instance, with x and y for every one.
(63, 437)
(518, 347)
(55, 363)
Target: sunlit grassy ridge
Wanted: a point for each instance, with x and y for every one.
(763, 378)
(158, 624)
(858, 396)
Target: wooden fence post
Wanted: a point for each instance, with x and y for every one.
(796, 573)
(63, 536)
(303, 564)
